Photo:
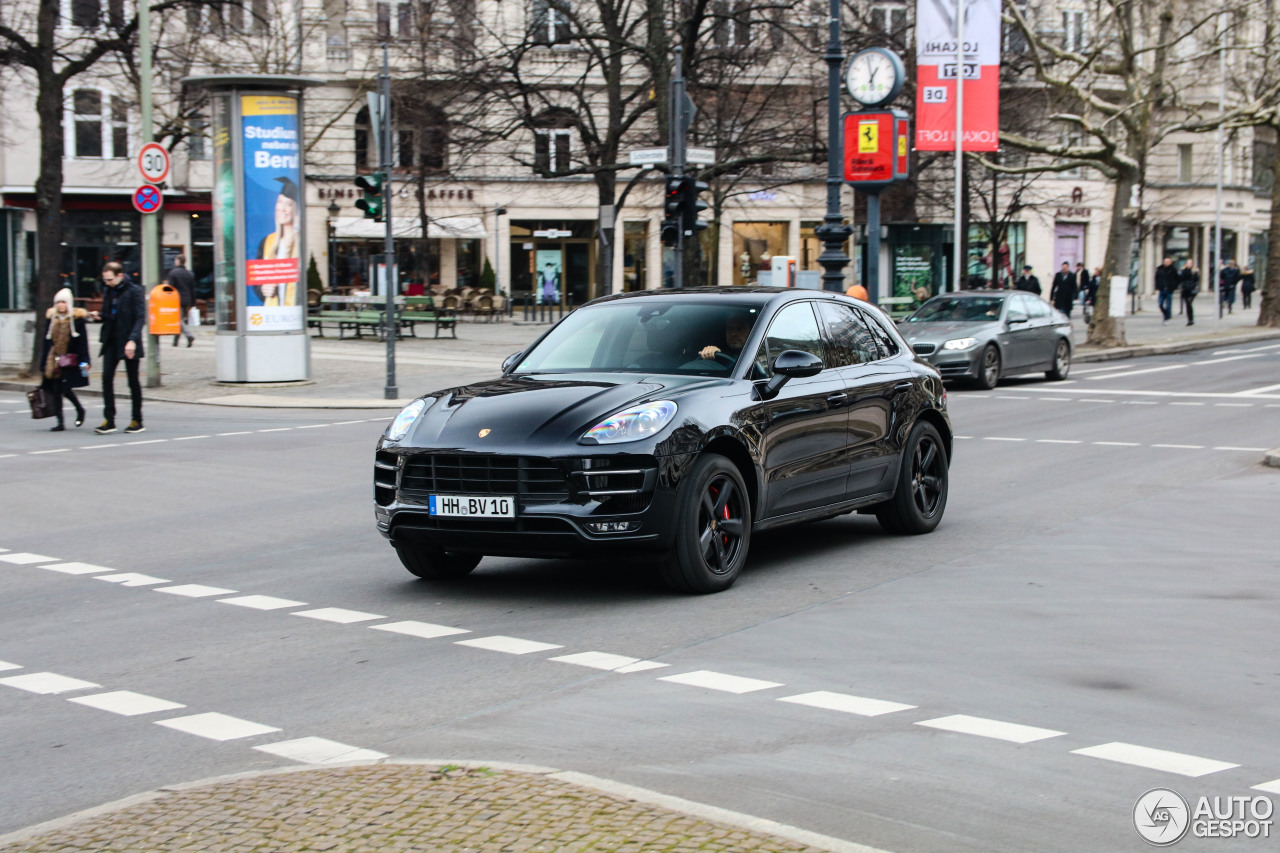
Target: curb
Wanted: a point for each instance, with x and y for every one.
(621, 790)
(1272, 458)
(1171, 349)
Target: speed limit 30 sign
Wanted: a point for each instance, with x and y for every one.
(153, 162)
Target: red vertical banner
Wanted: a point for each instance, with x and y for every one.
(902, 141)
(937, 71)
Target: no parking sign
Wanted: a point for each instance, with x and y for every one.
(147, 199)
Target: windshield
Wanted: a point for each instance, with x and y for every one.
(647, 336)
(952, 310)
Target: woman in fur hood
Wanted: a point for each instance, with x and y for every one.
(66, 348)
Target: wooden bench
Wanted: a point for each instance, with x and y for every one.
(358, 313)
(422, 309)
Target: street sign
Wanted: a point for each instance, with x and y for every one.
(701, 156)
(552, 233)
(147, 199)
(647, 156)
(875, 147)
(153, 162)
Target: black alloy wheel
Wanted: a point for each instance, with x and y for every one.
(433, 564)
(1061, 362)
(989, 368)
(713, 528)
(923, 482)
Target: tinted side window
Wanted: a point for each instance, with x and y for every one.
(1021, 303)
(875, 321)
(1039, 308)
(794, 327)
(850, 339)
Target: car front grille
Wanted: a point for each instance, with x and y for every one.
(924, 349)
(532, 480)
(953, 368)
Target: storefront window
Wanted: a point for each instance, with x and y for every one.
(635, 240)
(467, 263)
(1180, 243)
(984, 268)
(754, 245)
(913, 273)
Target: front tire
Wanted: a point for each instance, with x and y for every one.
(921, 496)
(989, 368)
(433, 564)
(713, 528)
(1061, 363)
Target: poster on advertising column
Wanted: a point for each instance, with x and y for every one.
(937, 73)
(272, 212)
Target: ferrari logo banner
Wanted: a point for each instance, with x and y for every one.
(937, 72)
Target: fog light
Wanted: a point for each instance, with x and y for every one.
(612, 526)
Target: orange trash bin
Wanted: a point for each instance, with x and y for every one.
(164, 311)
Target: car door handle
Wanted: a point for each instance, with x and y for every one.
(902, 386)
(838, 399)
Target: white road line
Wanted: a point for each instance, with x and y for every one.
(46, 682)
(1155, 759)
(318, 750)
(720, 681)
(243, 432)
(24, 559)
(1140, 372)
(423, 630)
(1000, 438)
(313, 426)
(1234, 405)
(509, 645)
(1229, 358)
(848, 704)
(1098, 369)
(127, 703)
(1057, 441)
(59, 450)
(1272, 787)
(1251, 349)
(1118, 443)
(1093, 400)
(1010, 397)
(597, 660)
(1141, 402)
(1181, 446)
(100, 446)
(77, 568)
(215, 726)
(148, 441)
(962, 436)
(1207, 395)
(337, 614)
(7, 455)
(643, 666)
(1252, 391)
(1052, 399)
(262, 602)
(344, 423)
(276, 429)
(131, 579)
(1012, 732)
(190, 437)
(5, 665)
(1186, 403)
(1243, 449)
(194, 590)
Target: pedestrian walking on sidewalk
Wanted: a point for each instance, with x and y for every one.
(1189, 281)
(1063, 291)
(124, 312)
(66, 355)
(1027, 282)
(181, 280)
(1167, 281)
(1228, 278)
(1247, 287)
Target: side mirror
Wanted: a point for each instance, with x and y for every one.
(511, 361)
(790, 363)
(1016, 317)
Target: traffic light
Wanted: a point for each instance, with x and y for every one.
(691, 206)
(671, 227)
(371, 186)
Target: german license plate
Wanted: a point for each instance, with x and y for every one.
(474, 506)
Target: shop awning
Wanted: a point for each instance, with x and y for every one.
(409, 228)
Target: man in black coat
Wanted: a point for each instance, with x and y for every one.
(1063, 292)
(181, 280)
(1166, 284)
(1027, 281)
(124, 315)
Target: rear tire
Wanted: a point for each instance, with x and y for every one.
(713, 528)
(433, 564)
(989, 368)
(1061, 363)
(921, 496)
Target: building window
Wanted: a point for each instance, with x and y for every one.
(1072, 140)
(1184, 164)
(733, 23)
(551, 152)
(551, 22)
(88, 130)
(1073, 34)
(100, 125)
(890, 20)
(754, 245)
(399, 13)
(1264, 155)
(198, 140)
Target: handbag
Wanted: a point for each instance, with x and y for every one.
(40, 404)
(68, 359)
(193, 317)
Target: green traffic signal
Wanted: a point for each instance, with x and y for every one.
(691, 205)
(371, 186)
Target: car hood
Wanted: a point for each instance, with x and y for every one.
(941, 332)
(517, 412)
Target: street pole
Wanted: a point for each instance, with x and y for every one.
(873, 246)
(390, 285)
(1216, 281)
(833, 232)
(677, 143)
(959, 239)
(150, 231)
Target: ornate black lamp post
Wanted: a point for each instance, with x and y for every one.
(833, 233)
(334, 210)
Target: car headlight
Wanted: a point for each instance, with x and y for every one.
(400, 426)
(960, 343)
(632, 424)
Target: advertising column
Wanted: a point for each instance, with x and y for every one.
(937, 72)
(272, 212)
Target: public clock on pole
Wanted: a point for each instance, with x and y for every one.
(875, 76)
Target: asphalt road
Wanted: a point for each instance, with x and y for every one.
(1104, 581)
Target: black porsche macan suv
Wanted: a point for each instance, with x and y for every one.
(670, 421)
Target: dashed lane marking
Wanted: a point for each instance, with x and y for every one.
(1233, 405)
(859, 705)
(262, 602)
(1094, 400)
(337, 614)
(313, 426)
(508, 645)
(58, 450)
(100, 446)
(1243, 449)
(422, 630)
(23, 559)
(318, 750)
(720, 681)
(131, 579)
(1140, 372)
(215, 726)
(5, 666)
(1057, 441)
(127, 703)
(1228, 358)
(194, 590)
(643, 666)
(1181, 446)
(597, 660)
(191, 437)
(276, 429)
(1117, 443)
(148, 441)
(1012, 732)
(242, 432)
(76, 568)
(46, 683)
(1000, 438)
(1272, 787)
(1155, 759)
